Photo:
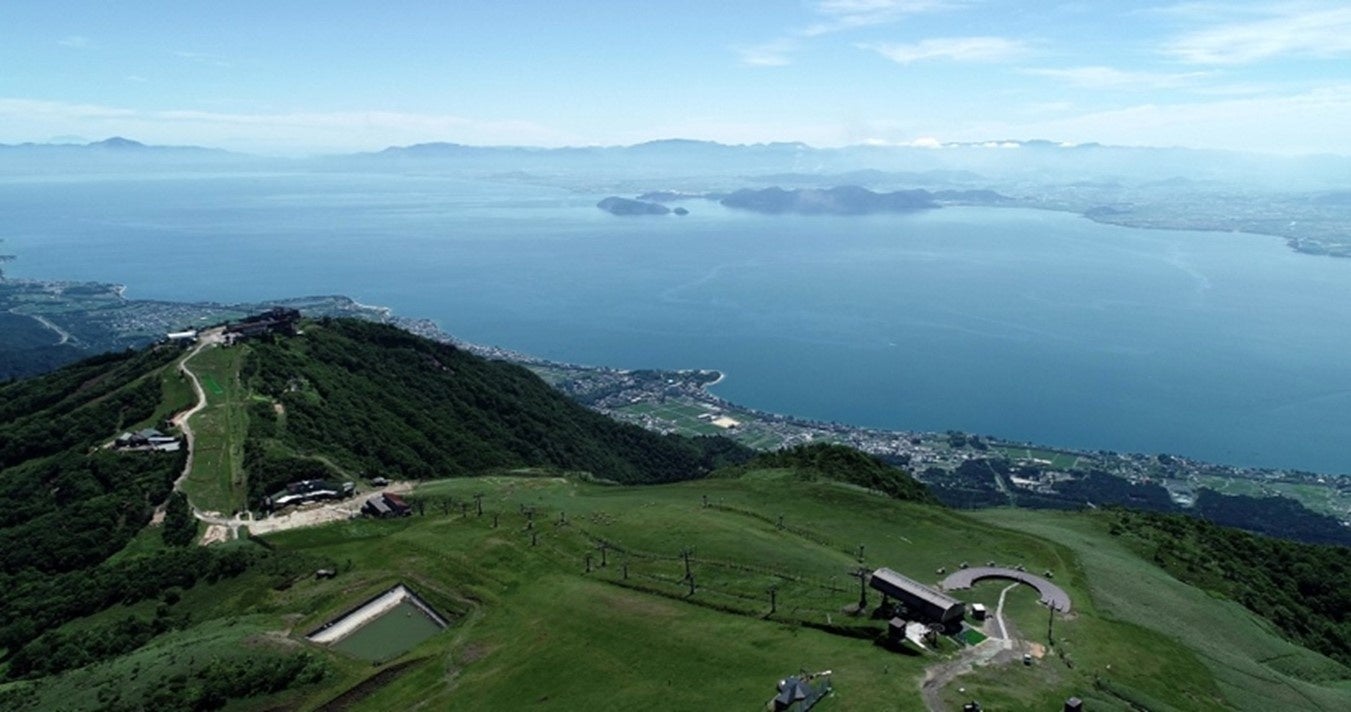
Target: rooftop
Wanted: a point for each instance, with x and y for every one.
(891, 583)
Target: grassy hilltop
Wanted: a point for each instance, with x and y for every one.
(569, 591)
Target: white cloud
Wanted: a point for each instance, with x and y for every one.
(841, 15)
(959, 49)
(1290, 30)
(1315, 121)
(768, 54)
(835, 16)
(76, 41)
(1100, 77)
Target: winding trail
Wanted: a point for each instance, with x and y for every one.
(222, 528)
(65, 335)
(182, 420)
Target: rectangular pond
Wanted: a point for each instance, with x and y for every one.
(382, 628)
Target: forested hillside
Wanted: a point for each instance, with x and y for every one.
(1304, 589)
(69, 506)
(65, 503)
(380, 401)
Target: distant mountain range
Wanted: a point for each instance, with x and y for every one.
(115, 143)
(1010, 167)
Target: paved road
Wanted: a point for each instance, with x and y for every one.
(1051, 594)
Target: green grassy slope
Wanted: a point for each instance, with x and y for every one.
(1254, 667)
(531, 627)
(566, 593)
(218, 482)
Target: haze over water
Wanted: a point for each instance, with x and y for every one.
(1022, 324)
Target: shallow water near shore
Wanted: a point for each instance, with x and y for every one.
(1028, 325)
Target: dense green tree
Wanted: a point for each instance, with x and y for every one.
(180, 526)
(1304, 589)
(379, 400)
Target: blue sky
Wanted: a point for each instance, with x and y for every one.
(298, 76)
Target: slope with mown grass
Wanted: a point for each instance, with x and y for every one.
(1253, 665)
(532, 626)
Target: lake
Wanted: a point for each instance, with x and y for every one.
(1022, 324)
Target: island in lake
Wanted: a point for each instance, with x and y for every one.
(616, 205)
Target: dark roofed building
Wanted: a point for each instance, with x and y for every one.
(920, 601)
(279, 320)
(303, 491)
(147, 439)
(800, 693)
(376, 507)
(386, 505)
(397, 503)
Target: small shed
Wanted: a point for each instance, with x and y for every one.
(978, 611)
(1074, 704)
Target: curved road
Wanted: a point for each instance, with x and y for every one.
(1051, 594)
(180, 420)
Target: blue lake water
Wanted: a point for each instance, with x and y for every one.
(1023, 324)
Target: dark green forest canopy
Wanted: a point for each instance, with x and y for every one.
(381, 401)
(65, 503)
(1304, 589)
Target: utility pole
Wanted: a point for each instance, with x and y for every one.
(604, 546)
(691, 585)
(685, 554)
(494, 520)
(478, 502)
(860, 554)
(773, 599)
(626, 571)
(534, 538)
(464, 509)
(1050, 626)
(862, 574)
(588, 562)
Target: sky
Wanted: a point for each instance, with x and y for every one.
(304, 76)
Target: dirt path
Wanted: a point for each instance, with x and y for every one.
(991, 651)
(222, 528)
(999, 611)
(182, 420)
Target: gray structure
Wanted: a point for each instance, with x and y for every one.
(386, 504)
(308, 491)
(1052, 595)
(922, 602)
